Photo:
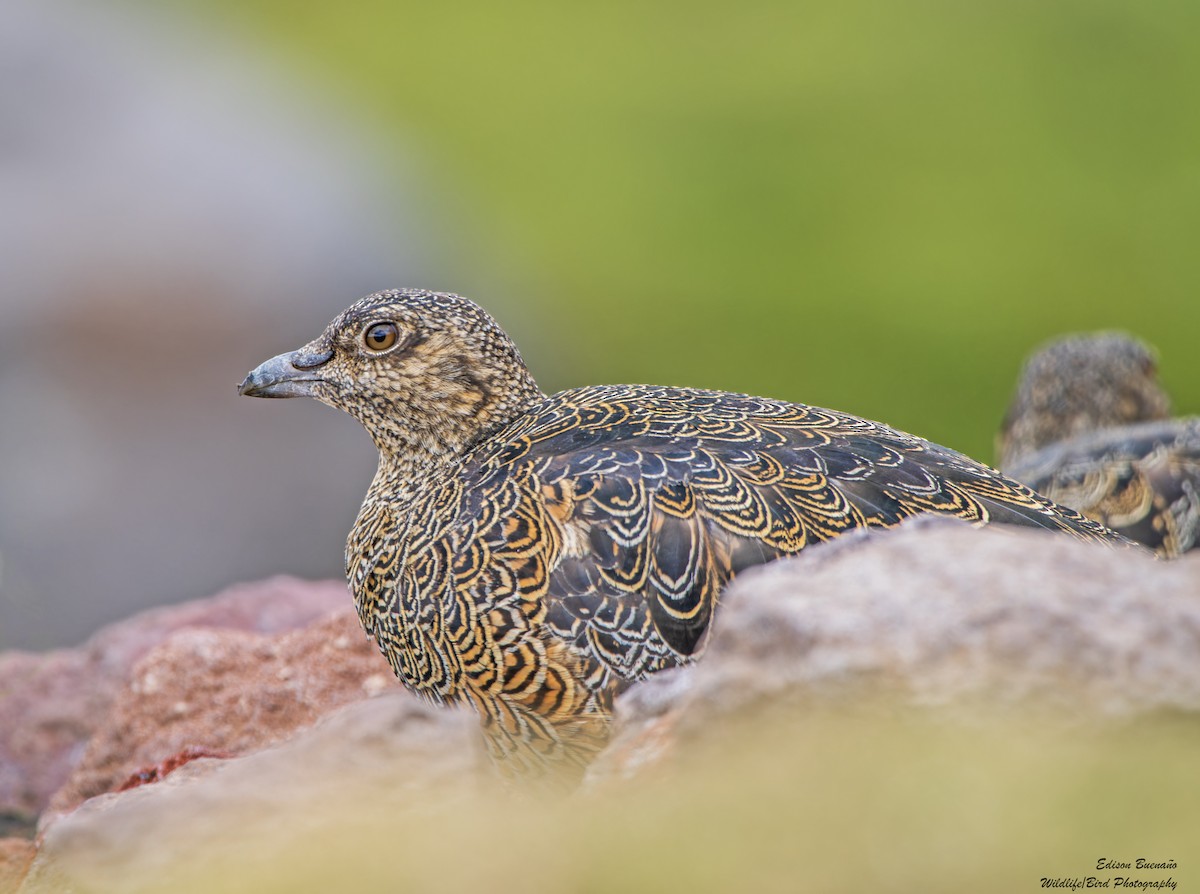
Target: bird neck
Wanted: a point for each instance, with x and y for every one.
(403, 468)
(416, 448)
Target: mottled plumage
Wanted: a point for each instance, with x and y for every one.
(533, 555)
(1089, 428)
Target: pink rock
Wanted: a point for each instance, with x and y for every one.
(226, 692)
(385, 766)
(15, 856)
(51, 703)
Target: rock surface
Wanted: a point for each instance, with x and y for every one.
(375, 760)
(226, 691)
(934, 614)
(934, 619)
(15, 856)
(51, 703)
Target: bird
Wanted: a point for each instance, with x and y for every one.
(533, 556)
(1090, 427)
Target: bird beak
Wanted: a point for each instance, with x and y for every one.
(288, 375)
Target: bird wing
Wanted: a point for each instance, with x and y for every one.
(585, 545)
(1141, 480)
(631, 507)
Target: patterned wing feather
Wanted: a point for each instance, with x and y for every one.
(665, 494)
(1141, 480)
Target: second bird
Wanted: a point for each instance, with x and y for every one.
(1090, 427)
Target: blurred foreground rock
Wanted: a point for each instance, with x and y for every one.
(932, 617)
(934, 613)
(375, 761)
(51, 703)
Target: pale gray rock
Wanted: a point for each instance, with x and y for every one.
(935, 614)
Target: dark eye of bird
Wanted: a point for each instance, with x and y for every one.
(380, 336)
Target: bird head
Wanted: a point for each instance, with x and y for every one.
(1081, 384)
(424, 372)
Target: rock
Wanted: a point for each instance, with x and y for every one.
(370, 802)
(935, 613)
(226, 692)
(15, 856)
(51, 703)
(843, 675)
(374, 765)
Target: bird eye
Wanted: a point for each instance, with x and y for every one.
(378, 337)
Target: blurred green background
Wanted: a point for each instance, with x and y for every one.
(874, 206)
